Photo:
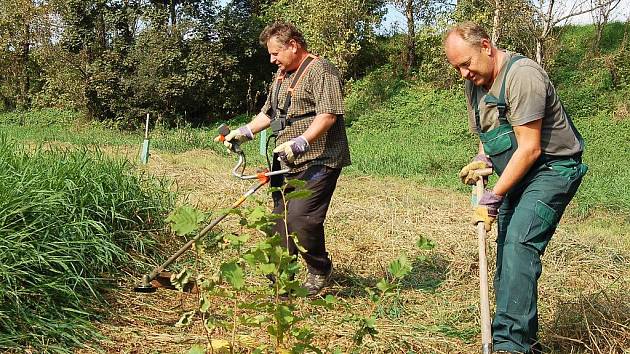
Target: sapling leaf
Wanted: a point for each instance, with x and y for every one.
(400, 267)
(204, 304)
(425, 244)
(179, 280)
(185, 220)
(383, 285)
(234, 274)
(298, 194)
(257, 214)
(196, 349)
(326, 302)
(297, 183)
(294, 237)
(267, 268)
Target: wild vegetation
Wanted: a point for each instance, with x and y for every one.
(71, 221)
(78, 213)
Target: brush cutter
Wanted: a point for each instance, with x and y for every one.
(158, 278)
(484, 302)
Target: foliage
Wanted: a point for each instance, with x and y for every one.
(265, 308)
(116, 61)
(335, 30)
(367, 94)
(69, 219)
(242, 304)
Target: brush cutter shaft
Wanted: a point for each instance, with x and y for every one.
(202, 233)
(484, 302)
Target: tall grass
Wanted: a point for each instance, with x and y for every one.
(68, 220)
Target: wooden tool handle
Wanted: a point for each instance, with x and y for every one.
(484, 301)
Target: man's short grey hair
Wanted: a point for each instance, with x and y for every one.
(470, 32)
(283, 32)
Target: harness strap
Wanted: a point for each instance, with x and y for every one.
(282, 114)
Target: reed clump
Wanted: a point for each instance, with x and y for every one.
(70, 219)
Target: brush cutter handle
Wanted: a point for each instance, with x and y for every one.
(239, 169)
(484, 301)
(235, 146)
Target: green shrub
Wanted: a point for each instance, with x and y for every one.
(69, 220)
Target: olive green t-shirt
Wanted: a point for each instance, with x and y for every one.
(319, 91)
(529, 95)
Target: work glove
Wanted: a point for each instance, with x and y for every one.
(469, 173)
(292, 149)
(487, 209)
(238, 136)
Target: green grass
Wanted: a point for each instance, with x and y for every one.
(68, 220)
(420, 133)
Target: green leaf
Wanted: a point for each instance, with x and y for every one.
(185, 220)
(326, 302)
(234, 274)
(400, 267)
(296, 183)
(267, 268)
(298, 194)
(383, 285)
(204, 304)
(296, 241)
(196, 349)
(425, 243)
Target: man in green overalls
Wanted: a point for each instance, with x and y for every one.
(527, 137)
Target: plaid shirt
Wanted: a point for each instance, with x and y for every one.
(319, 91)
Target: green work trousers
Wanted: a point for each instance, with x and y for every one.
(527, 219)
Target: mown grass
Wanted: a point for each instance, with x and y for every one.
(69, 219)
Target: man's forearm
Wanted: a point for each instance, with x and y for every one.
(259, 123)
(520, 163)
(319, 126)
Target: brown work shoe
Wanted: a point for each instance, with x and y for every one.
(316, 282)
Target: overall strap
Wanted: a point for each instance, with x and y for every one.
(500, 102)
(304, 65)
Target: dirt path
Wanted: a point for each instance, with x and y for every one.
(583, 290)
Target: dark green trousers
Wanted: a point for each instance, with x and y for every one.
(527, 219)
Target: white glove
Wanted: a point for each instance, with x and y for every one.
(292, 149)
(238, 136)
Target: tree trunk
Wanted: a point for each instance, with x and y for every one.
(24, 59)
(496, 22)
(173, 13)
(540, 51)
(411, 38)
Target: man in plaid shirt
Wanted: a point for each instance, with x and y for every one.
(305, 111)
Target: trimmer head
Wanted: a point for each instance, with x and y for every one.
(145, 286)
(161, 280)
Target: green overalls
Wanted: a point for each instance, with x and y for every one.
(526, 221)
